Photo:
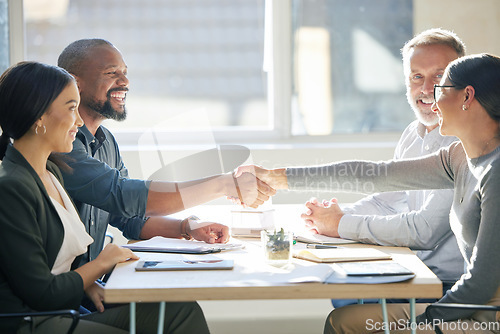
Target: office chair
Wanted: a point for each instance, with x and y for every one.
(75, 315)
(429, 308)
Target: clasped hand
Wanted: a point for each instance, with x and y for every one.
(324, 217)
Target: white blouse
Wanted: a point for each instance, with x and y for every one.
(76, 239)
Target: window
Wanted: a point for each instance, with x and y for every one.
(347, 69)
(332, 67)
(4, 35)
(193, 65)
(198, 66)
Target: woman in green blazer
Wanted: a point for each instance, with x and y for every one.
(42, 234)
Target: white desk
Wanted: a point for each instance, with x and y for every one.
(248, 281)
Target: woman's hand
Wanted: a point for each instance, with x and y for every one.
(113, 254)
(275, 178)
(250, 190)
(95, 293)
(107, 259)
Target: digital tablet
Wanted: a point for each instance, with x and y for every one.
(213, 264)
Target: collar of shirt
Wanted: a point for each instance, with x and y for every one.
(433, 141)
(94, 142)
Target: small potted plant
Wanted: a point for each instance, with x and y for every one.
(277, 246)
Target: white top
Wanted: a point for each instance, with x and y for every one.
(76, 239)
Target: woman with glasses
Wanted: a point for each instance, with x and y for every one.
(467, 102)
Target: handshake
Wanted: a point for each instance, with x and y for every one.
(254, 184)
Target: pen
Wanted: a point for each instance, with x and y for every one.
(320, 246)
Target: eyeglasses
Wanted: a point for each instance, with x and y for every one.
(438, 91)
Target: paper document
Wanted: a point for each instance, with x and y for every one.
(311, 238)
(341, 254)
(171, 245)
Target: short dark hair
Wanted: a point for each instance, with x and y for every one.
(75, 54)
(481, 71)
(26, 91)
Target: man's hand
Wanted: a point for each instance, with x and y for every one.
(275, 178)
(95, 293)
(250, 190)
(323, 218)
(208, 232)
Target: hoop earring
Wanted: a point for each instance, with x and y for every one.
(44, 129)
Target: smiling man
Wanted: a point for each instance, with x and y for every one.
(99, 182)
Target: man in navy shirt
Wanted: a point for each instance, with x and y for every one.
(98, 181)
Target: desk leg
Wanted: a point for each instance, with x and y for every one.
(132, 318)
(384, 315)
(161, 318)
(413, 320)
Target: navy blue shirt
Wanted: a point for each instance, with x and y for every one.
(101, 189)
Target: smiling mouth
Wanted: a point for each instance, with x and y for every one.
(426, 101)
(119, 96)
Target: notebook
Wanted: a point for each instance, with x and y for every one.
(341, 255)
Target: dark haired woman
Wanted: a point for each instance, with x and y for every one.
(42, 234)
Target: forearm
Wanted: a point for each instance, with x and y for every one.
(161, 226)
(165, 198)
(91, 271)
(369, 177)
(392, 230)
(422, 228)
(276, 178)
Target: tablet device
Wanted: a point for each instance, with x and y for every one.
(213, 264)
(371, 268)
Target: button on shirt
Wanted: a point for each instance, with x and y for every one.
(99, 185)
(418, 219)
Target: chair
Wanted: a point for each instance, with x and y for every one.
(429, 308)
(109, 238)
(75, 315)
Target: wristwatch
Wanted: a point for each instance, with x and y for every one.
(184, 222)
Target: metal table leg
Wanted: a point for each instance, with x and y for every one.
(413, 322)
(161, 318)
(384, 314)
(132, 318)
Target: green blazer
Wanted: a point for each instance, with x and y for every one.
(31, 236)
